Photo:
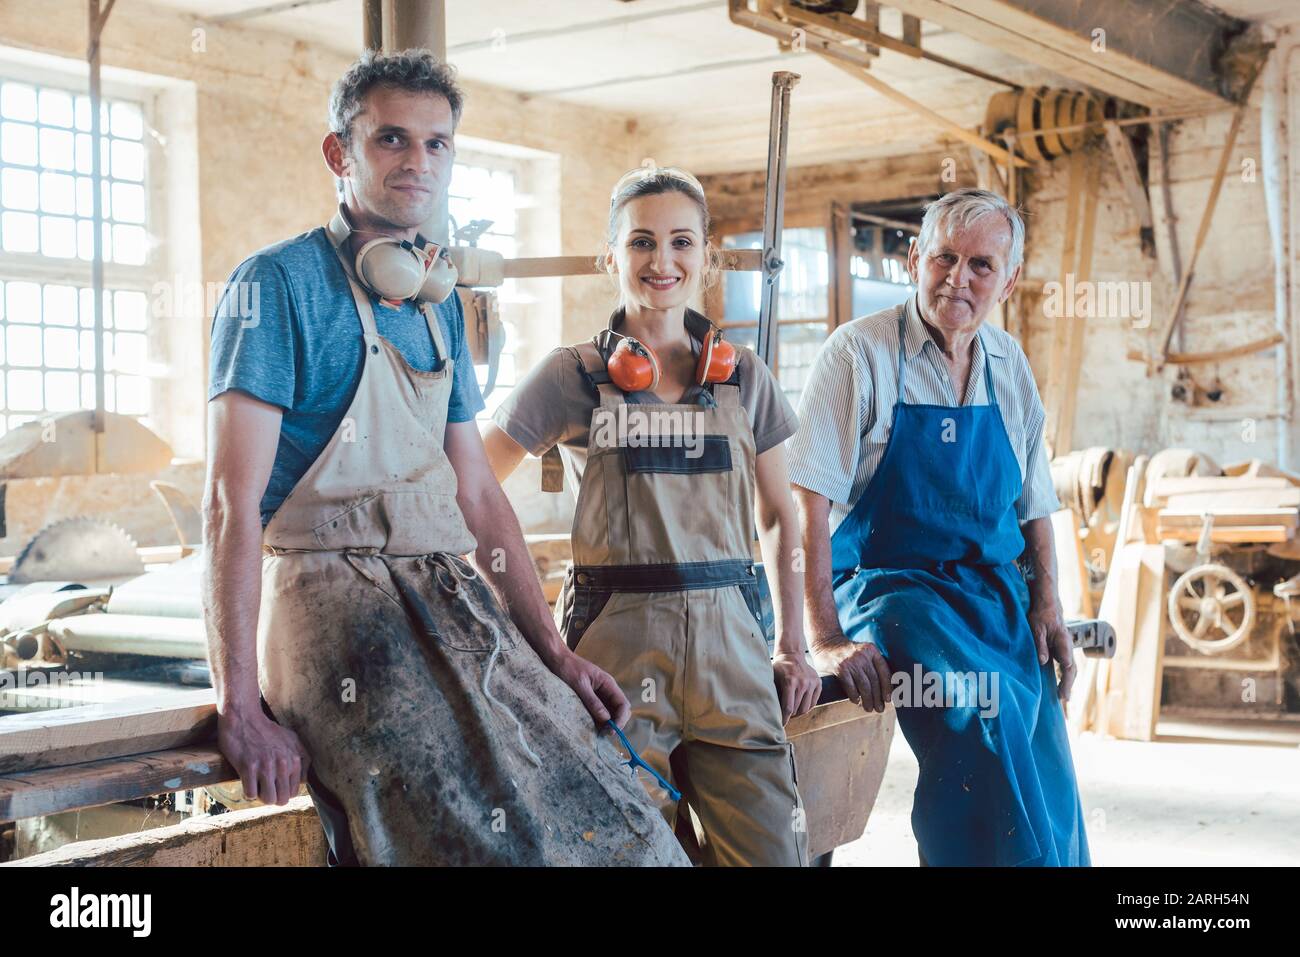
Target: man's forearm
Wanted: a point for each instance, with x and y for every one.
(232, 590)
(1040, 556)
(502, 557)
(819, 597)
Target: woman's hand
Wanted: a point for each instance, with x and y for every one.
(797, 686)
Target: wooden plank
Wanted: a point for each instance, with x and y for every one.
(1136, 721)
(1194, 518)
(1246, 498)
(1168, 485)
(1077, 325)
(1061, 324)
(49, 791)
(1238, 534)
(269, 836)
(49, 739)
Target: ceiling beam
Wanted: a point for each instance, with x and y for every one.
(1157, 54)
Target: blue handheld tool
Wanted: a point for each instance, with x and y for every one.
(636, 762)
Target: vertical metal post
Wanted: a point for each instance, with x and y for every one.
(407, 24)
(95, 24)
(778, 135)
(372, 24)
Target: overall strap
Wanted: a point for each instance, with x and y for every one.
(594, 370)
(726, 395)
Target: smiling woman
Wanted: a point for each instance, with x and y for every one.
(664, 594)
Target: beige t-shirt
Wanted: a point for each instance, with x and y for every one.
(554, 402)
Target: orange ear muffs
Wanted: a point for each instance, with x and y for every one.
(633, 366)
(717, 359)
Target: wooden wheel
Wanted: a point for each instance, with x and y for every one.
(1211, 608)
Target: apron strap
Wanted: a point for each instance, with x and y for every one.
(727, 394)
(435, 330)
(988, 375)
(902, 349)
(365, 311)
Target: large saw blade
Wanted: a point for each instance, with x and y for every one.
(77, 549)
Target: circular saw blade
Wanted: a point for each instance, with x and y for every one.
(77, 549)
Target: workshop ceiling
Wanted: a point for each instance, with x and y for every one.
(691, 73)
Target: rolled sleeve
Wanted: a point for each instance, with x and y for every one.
(824, 452)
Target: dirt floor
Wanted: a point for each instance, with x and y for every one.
(1223, 793)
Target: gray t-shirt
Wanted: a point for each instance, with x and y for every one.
(554, 402)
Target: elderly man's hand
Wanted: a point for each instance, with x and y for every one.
(1053, 640)
(861, 668)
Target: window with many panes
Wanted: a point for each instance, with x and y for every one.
(803, 302)
(46, 237)
(488, 192)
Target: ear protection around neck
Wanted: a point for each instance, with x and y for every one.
(633, 366)
(396, 269)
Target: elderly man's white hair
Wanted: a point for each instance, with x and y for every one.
(962, 207)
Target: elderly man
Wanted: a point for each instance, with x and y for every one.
(921, 478)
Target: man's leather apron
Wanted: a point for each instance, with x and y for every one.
(663, 595)
(431, 724)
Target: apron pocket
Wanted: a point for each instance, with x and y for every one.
(458, 626)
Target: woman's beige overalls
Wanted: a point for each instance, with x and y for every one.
(430, 722)
(663, 596)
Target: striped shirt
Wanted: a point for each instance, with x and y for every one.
(846, 410)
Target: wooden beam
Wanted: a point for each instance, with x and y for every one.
(288, 836)
(29, 742)
(49, 791)
(897, 96)
(541, 267)
(1217, 355)
(1032, 38)
(1180, 300)
(1122, 150)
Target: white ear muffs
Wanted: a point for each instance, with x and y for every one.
(395, 269)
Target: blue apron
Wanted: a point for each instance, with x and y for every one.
(924, 567)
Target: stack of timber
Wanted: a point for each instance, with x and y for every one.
(1251, 503)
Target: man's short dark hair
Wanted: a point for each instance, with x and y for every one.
(416, 70)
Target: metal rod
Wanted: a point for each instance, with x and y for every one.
(420, 23)
(778, 135)
(95, 20)
(372, 25)
(886, 221)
